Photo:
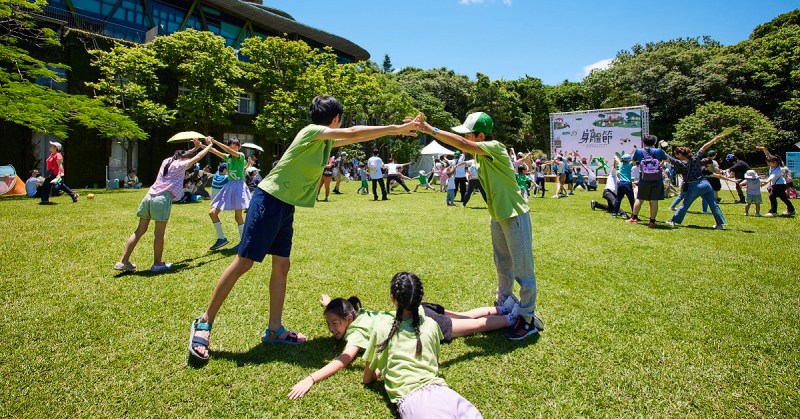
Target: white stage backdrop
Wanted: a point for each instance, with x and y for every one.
(600, 132)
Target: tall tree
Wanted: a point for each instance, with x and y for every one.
(751, 128)
(129, 83)
(387, 64)
(207, 70)
(45, 110)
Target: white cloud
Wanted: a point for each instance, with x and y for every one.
(468, 2)
(600, 65)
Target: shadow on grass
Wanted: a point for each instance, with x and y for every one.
(378, 388)
(489, 344)
(176, 266)
(312, 354)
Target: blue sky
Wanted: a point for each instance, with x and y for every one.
(508, 39)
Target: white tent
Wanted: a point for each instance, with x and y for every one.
(426, 163)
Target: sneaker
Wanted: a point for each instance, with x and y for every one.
(746, 214)
(384, 199)
(624, 215)
(161, 268)
(770, 214)
(74, 198)
(670, 223)
(706, 212)
(719, 227)
(47, 203)
(125, 267)
(336, 192)
(506, 306)
(613, 215)
(757, 214)
(538, 324)
(593, 204)
(633, 221)
(789, 213)
(236, 248)
(219, 243)
(570, 193)
(651, 224)
(556, 196)
(521, 329)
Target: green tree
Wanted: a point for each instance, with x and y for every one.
(534, 105)
(499, 100)
(45, 110)
(128, 82)
(208, 70)
(751, 128)
(387, 64)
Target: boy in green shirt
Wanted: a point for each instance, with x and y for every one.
(510, 223)
(268, 228)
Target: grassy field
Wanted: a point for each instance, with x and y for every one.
(640, 322)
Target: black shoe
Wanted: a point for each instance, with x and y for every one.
(385, 198)
(336, 192)
(219, 243)
(47, 203)
(521, 329)
(593, 204)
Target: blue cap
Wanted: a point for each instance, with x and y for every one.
(730, 157)
(626, 157)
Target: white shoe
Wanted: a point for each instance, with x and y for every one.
(670, 223)
(161, 268)
(719, 227)
(126, 267)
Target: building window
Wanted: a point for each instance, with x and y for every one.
(247, 103)
(51, 83)
(243, 138)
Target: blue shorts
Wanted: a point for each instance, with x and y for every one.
(268, 228)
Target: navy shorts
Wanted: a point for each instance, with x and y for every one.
(268, 228)
(445, 323)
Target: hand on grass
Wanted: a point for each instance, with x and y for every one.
(324, 300)
(301, 388)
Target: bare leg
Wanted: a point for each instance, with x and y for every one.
(239, 217)
(277, 295)
(637, 206)
(233, 272)
(475, 313)
(158, 242)
(653, 209)
(133, 240)
(214, 214)
(466, 327)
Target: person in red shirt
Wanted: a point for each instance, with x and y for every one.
(54, 178)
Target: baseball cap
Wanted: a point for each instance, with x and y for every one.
(711, 153)
(422, 172)
(344, 153)
(730, 157)
(476, 122)
(626, 157)
(252, 169)
(750, 174)
(56, 143)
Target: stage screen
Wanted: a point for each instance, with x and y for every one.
(598, 133)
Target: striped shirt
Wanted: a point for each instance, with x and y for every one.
(691, 171)
(172, 182)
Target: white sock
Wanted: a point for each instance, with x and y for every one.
(241, 231)
(218, 227)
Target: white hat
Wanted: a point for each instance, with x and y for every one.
(750, 174)
(56, 143)
(252, 169)
(344, 153)
(422, 172)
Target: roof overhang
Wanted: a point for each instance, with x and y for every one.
(284, 25)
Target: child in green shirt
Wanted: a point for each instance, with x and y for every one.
(510, 223)
(269, 225)
(406, 352)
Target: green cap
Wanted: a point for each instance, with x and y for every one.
(476, 122)
(711, 153)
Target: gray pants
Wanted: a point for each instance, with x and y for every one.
(512, 243)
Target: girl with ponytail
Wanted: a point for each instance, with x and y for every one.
(349, 322)
(157, 205)
(406, 352)
(235, 195)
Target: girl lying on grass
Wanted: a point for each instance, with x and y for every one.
(349, 322)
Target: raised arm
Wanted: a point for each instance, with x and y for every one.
(225, 148)
(203, 152)
(452, 139)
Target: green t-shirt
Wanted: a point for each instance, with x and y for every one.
(423, 180)
(361, 328)
(295, 179)
(403, 371)
(522, 181)
(499, 181)
(235, 166)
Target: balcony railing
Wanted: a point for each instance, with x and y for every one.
(94, 25)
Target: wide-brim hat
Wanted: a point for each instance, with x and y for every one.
(750, 174)
(252, 169)
(476, 122)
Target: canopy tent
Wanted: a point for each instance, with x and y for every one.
(426, 157)
(434, 149)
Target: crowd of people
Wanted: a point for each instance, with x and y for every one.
(408, 339)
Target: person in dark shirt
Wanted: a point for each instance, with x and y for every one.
(739, 168)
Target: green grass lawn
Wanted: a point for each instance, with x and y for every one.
(640, 322)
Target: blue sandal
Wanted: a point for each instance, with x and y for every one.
(198, 341)
(291, 338)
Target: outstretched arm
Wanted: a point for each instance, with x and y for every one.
(452, 139)
(359, 133)
(302, 387)
(225, 148)
(203, 152)
(369, 375)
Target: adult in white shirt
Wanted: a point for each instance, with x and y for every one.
(33, 184)
(375, 168)
(392, 174)
(610, 194)
(460, 174)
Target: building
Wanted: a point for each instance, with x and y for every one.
(140, 21)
